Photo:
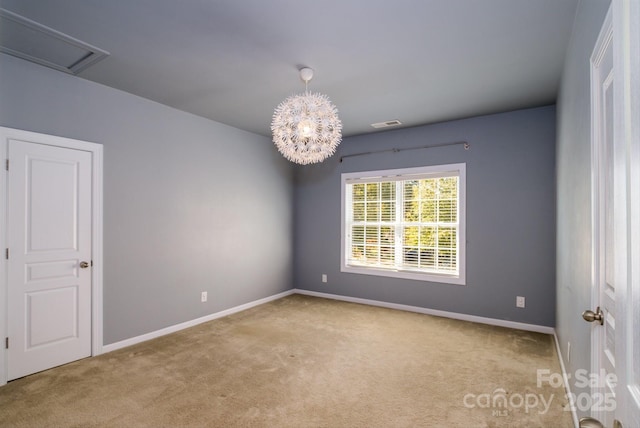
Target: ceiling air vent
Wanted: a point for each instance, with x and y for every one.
(386, 124)
(27, 39)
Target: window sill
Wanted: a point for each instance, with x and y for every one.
(401, 274)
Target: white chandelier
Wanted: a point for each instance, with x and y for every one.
(306, 128)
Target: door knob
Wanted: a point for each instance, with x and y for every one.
(589, 422)
(84, 265)
(591, 316)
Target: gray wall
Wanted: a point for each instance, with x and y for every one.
(510, 216)
(574, 244)
(190, 205)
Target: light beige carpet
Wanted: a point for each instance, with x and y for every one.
(304, 362)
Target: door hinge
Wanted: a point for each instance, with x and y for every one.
(7, 164)
(7, 254)
(6, 343)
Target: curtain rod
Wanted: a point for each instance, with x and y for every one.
(396, 150)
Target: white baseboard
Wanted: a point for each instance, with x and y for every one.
(567, 387)
(445, 314)
(172, 329)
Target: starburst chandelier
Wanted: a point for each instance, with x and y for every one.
(306, 128)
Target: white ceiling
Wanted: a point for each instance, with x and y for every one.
(234, 61)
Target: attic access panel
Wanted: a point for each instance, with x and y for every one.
(30, 40)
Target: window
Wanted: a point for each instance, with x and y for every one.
(405, 223)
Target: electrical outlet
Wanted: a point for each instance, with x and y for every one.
(520, 302)
(203, 297)
(324, 277)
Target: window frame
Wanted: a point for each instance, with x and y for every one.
(432, 171)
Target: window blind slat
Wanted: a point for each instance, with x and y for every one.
(394, 178)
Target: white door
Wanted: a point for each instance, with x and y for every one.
(49, 256)
(615, 377)
(606, 252)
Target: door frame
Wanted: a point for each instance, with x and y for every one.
(96, 151)
(626, 27)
